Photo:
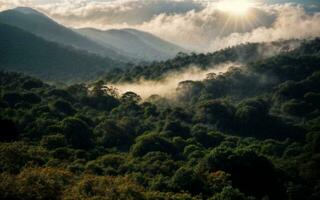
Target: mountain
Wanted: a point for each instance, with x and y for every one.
(24, 52)
(134, 43)
(240, 54)
(39, 24)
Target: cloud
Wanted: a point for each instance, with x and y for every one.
(198, 25)
(8, 4)
(211, 29)
(166, 87)
(197, 30)
(292, 22)
(104, 14)
(194, 25)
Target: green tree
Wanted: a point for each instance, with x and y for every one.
(77, 133)
(152, 142)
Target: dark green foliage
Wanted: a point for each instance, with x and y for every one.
(8, 131)
(130, 97)
(111, 135)
(63, 107)
(215, 112)
(247, 170)
(175, 128)
(152, 142)
(77, 133)
(53, 141)
(185, 179)
(31, 84)
(250, 133)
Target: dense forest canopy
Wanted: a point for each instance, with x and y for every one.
(244, 53)
(250, 133)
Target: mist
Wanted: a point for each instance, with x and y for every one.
(166, 87)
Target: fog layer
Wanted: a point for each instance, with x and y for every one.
(166, 87)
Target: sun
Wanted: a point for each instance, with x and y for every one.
(236, 7)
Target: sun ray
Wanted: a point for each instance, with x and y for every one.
(235, 7)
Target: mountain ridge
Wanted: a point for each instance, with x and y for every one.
(41, 25)
(134, 43)
(24, 52)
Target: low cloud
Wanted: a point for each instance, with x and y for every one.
(166, 87)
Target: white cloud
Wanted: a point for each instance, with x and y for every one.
(108, 13)
(195, 24)
(198, 30)
(166, 87)
(292, 22)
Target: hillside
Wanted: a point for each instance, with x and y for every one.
(39, 24)
(134, 43)
(23, 52)
(240, 54)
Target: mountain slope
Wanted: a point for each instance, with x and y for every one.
(23, 52)
(241, 54)
(38, 24)
(134, 43)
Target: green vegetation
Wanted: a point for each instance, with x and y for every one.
(23, 52)
(251, 133)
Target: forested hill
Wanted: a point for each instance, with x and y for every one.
(37, 23)
(23, 52)
(245, 53)
(250, 133)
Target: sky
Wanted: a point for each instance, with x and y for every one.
(198, 25)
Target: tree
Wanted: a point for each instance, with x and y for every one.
(296, 108)
(53, 141)
(12, 98)
(42, 183)
(130, 97)
(186, 180)
(216, 112)
(64, 107)
(98, 89)
(31, 98)
(32, 83)
(78, 90)
(152, 142)
(8, 130)
(105, 187)
(77, 133)
(187, 90)
(111, 135)
(175, 128)
(15, 156)
(252, 174)
(229, 193)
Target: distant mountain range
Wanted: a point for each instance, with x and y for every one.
(32, 43)
(125, 45)
(24, 52)
(38, 24)
(134, 43)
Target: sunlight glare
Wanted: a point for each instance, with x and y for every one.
(237, 7)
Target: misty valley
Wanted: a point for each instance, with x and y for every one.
(135, 112)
